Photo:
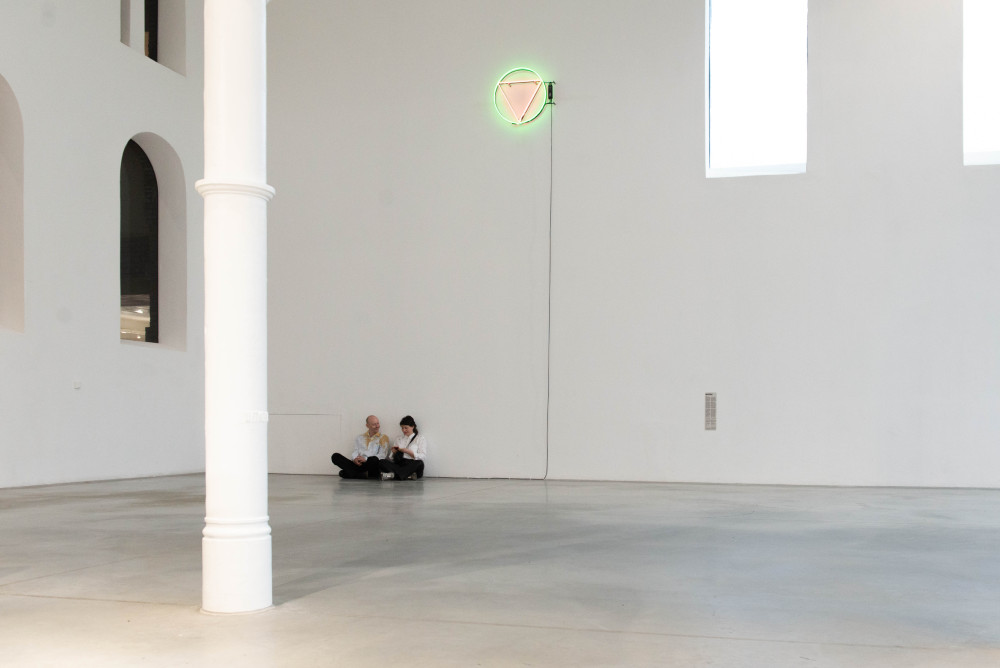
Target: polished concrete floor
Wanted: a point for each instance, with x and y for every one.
(445, 572)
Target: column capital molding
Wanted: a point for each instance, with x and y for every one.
(206, 187)
(241, 528)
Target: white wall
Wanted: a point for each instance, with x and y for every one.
(82, 95)
(408, 239)
(847, 318)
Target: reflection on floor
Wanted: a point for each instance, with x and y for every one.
(446, 572)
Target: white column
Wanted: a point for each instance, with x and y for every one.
(236, 543)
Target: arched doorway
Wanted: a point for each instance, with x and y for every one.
(139, 247)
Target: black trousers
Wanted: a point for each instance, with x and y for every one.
(403, 468)
(348, 469)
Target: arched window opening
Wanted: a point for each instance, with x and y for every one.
(139, 247)
(157, 29)
(11, 211)
(151, 28)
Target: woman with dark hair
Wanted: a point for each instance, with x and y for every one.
(406, 461)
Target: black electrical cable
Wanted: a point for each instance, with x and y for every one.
(548, 332)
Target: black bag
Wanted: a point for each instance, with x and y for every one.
(397, 457)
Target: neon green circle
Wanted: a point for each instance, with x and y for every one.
(510, 115)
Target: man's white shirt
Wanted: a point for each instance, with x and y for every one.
(371, 446)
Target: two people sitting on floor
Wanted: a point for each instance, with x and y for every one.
(373, 458)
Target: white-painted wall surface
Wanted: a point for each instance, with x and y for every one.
(82, 94)
(847, 317)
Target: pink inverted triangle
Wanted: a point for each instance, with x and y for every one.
(519, 94)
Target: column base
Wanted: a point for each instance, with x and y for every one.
(236, 575)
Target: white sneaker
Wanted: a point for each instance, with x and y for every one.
(387, 475)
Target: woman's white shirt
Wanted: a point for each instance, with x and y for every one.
(418, 444)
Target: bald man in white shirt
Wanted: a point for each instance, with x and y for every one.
(369, 448)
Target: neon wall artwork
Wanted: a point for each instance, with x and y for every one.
(520, 96)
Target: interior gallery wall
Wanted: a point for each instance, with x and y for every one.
(557, 299)
(76, 402)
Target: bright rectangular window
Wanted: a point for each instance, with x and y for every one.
(757, 74)
(981, 82)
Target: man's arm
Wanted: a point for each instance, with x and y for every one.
(359, 447)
